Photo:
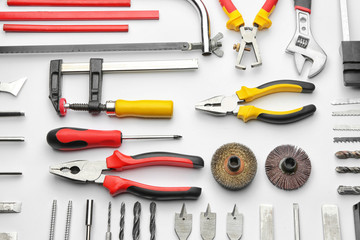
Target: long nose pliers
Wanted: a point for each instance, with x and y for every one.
(92, 171)
(248, 34)
(224, 105)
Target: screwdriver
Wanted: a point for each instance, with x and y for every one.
(68, 139)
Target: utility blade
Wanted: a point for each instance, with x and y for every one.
(10, 207)
(266, 222)
(346, 127)
(346, 139)
(346, 101)
(183, 224)
(331, 222)
(208, 224)
(12, 87)
(234, 224)
(347, 113)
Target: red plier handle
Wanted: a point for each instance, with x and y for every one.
(120, 162)
(236, 20)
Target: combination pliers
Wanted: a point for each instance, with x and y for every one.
(224, 105)
(92, 171)
(248, 34)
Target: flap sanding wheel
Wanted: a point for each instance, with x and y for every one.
(233, 166)
(288, 167)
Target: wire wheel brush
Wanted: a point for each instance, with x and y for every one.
(233, 166)
(288, 167)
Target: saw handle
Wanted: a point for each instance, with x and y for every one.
(249, 94)
(119, 161)
(247, 113)
(262, 20)
(117, 185)
(303, 5)
(235, 18)
(144, 108)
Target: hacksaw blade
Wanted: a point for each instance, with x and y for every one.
(346, 101)
(347, 113)
(346, 127)
(346, 139)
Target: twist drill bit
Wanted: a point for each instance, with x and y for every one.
(68, 220)
(108, 233)
(53, 218)
(152, 220)
(136, 226)
(349, 190)
(342, 169)
(347, 154)
(122, 221)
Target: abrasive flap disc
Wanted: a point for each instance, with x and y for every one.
(288, 167)
(233, 166)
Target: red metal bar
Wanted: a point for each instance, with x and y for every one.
(79, 15)
(70, 3)
(64, 28)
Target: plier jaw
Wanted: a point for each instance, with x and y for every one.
(80, 170)
(220, 105)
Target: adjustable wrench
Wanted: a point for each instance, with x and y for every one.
(303, 45)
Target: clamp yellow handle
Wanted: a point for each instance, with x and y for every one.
(144, 108)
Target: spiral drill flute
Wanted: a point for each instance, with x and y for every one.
(108, 232)
(349, 190)
(152, 220)
(68, 220)
(122, 221)
(53, 218)
(136, 226)
(342, 169)
(347, 154)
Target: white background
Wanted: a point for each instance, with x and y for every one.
(202, 133)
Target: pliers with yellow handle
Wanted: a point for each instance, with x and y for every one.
(224, 105)
(248, 34)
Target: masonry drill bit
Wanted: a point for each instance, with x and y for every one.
(152, 220)
(68, 220)
(347, 154)
(234, 224)
(208, 224)
(108, 232)
(342, 169)
(122, 221)
(349, 190)
(183, 224)
(136, 226)
(53, 218)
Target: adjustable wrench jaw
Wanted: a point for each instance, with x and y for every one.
(304, 47)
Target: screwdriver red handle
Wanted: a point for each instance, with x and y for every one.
(64, 28)
(67, 139)
(70, 3)
(119, 161)
(117, 185)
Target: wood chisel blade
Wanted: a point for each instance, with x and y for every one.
(331, 222)
(183, 224)
(208, 224)
(346, 101)
(8, 236)
(347, 113)
(346, 127)
(10, 207)
(266, 222)
(234, 224)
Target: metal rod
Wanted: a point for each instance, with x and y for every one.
(10, 173)
(296, 221)
(345, 20)
(12, 139)
(11, 114)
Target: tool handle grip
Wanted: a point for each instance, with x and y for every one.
(120, 161)
(144, 108)
(247, 113)
(64, 28)
(303, 5)
(67, 139)
(262, 20)
(235, 18)
(117, 185)
(70, 3)
(250, 94)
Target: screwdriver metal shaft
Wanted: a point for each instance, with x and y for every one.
(151, 137)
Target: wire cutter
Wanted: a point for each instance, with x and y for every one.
(223, 105)
(248, 34)
(92, 171)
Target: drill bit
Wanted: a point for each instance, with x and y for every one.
(183, 224)
(136, 226)
(234, 224)
(68, 220)
(152, 220)
(122, 221)
(208, 224)
(349, 190)
(108, 233)
(88, 219)
(342, 169)
(347, 154)
(53, 218)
